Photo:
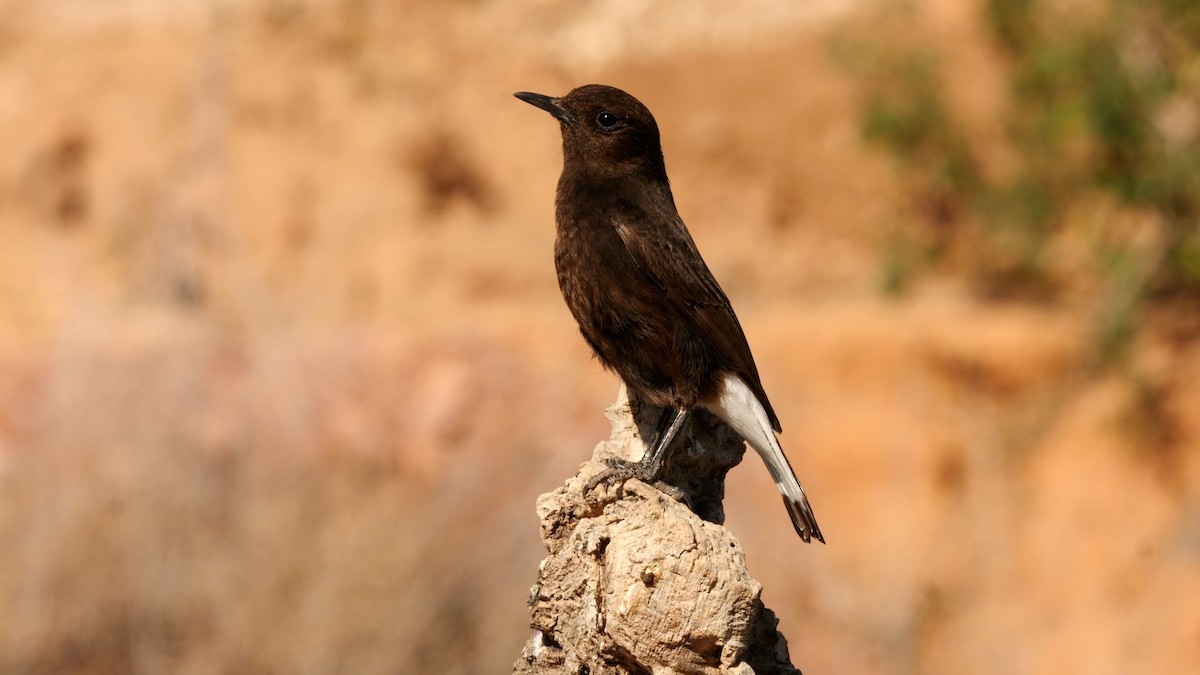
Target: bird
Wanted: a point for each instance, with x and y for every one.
(644, 299)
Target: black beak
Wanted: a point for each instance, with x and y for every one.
(550, 105)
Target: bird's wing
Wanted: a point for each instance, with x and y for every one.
(670, 253)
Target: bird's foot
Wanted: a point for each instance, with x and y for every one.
(620, 470)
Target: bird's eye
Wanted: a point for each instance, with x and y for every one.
(606, 120)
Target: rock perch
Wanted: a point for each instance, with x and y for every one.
(635, 582)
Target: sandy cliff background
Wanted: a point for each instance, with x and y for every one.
(283, 363)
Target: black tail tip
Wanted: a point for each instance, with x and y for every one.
(803, 520)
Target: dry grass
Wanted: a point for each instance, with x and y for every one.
(222, 509)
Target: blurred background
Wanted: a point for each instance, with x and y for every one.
(284, 365)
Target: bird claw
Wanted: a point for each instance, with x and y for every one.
(620, 470)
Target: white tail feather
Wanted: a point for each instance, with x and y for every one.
(737, 405)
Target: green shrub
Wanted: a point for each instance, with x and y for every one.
(1100, 128)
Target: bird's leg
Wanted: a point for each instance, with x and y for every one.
(668, 428)
(646, 470)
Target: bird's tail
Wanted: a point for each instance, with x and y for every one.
(737, 405)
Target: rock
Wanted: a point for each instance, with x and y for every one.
(635, 581)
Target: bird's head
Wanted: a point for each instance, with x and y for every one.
(606, 132)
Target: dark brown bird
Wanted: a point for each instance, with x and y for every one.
(644, 298)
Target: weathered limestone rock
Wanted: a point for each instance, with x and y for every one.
(635, 581)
